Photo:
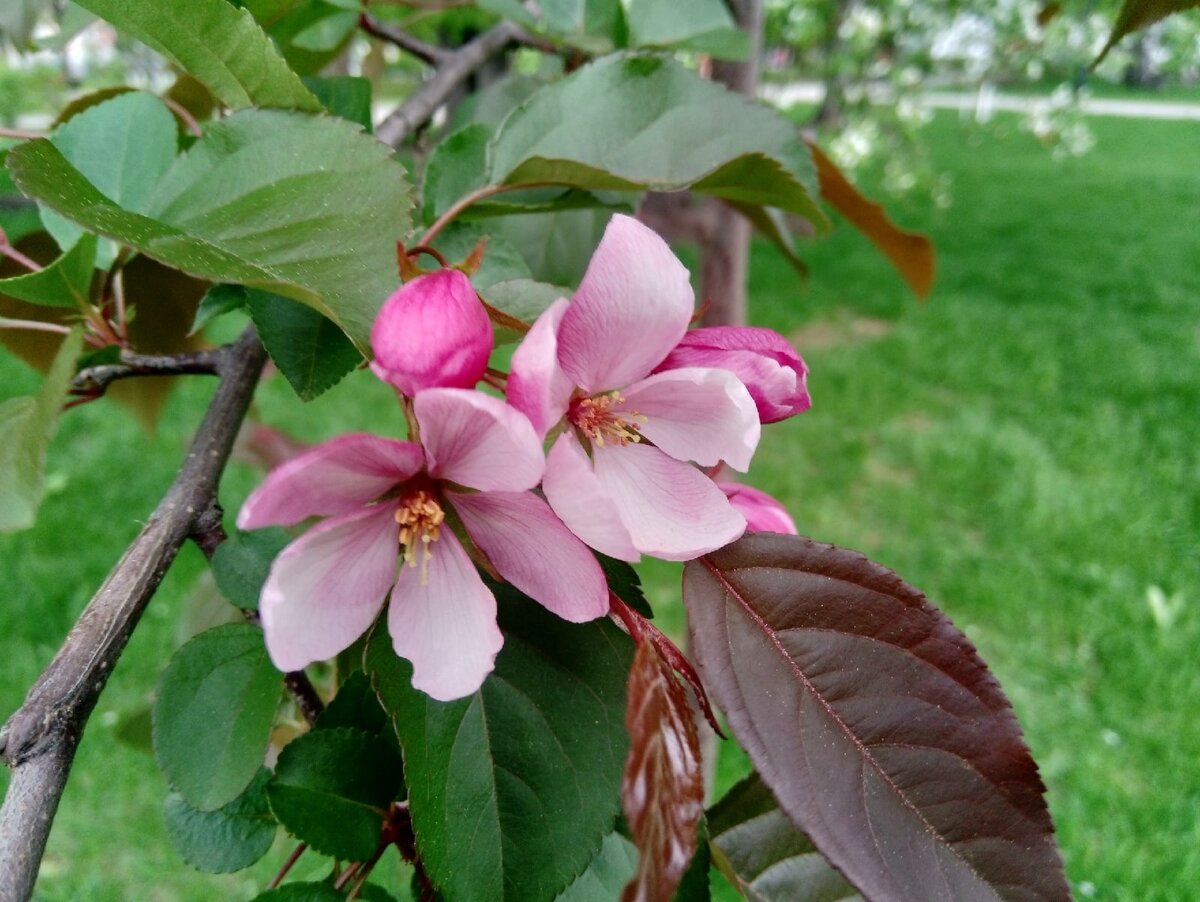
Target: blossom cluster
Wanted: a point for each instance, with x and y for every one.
(638, 413)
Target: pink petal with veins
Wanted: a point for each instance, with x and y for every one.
(478, 441)
(533, 550)
(328, 586)
(537, 385)
(631, 309)
(445, 622)
(332, 478)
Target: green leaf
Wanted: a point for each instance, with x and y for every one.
(355, 705)
(327, 33)
(64, 283)
(523, 298)
(513, 789)
(625, 583)
(457, 166)
(122, 146)
(701, 25)
(222, 46)
(501, 261)
(347, 96)
(1137, 14)
(241, 563)
(555, 247)
(28, 424)
(308, 207)
(222, 298)
(332, 789)
(228, 839)
(607, 873)
(322, 892)
(635, 122)
(212, 717)
(764, 855)
(312, 353)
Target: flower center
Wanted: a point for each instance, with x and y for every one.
(595, 418)
(420, 518)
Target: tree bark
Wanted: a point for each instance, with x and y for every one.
(39, 741)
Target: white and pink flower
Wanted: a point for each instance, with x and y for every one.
(619, 474)
(477, 458)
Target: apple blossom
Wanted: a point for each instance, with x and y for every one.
(763, 359)
(763, 513)
(477, 458)
(618, 474)
(432, 333)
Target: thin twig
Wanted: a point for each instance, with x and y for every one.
(428, 53)
(184, 116)
(287, 865)
(456, 68)
(456, 209)
(20, 134)
(93, 380)
(33, 325)
(7, 250)
(38, 742)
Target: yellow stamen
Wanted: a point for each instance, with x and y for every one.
(594, 418)
(420, 518)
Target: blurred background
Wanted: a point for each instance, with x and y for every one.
(1024, 446)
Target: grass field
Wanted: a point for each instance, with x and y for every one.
(1024, 447)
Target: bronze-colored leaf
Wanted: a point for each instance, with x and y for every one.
(872, 719)
(910, 252)
(662, 789)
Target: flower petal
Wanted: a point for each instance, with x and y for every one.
(326, 588)
(581, 502)
(631, 309)
(445, 623)
(705, 415)
(537, 385)
(671, 509)
(763, 513)
(533, 550)
(762, 358)
(432, 333)
(332, 478)
(478, 441)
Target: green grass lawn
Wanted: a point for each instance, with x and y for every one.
(1024, 447)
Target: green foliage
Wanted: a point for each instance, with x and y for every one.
(64, 283)
(634, 122)
(304, 206)
(457, 166)
(607, 873)
(229, 839)
(312, 353)
(212, 717)
(347, 96)
(220, 45)
(28, 424)
(536, 755)
(241, 563)
(332, 789)
(701, 25)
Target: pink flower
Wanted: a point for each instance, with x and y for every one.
(618, 474)
(763, 513)
(762, 358)
(432, 333)
(380, 496)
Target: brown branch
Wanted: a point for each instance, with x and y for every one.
(38, 742)
(456, 68)
(428, 53)
(93, 380)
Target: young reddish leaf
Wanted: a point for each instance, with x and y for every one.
(662, 789)
(910, 252)
(881, 732)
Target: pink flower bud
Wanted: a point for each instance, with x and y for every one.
(762, 358)
(432, 333)
(762, 512)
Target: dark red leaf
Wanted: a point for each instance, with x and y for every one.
(663, 785)
(873, 720)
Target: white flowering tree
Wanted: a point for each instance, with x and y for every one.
(454, 618)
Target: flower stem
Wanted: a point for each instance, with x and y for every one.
(7, 250)
(468, 200)
(33, 325)
(287, 865)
